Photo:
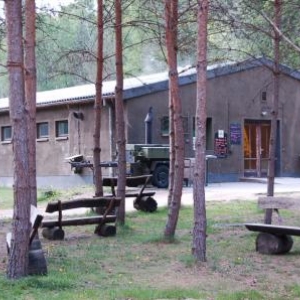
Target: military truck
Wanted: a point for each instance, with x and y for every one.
(152, 159)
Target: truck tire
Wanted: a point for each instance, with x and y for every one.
(160, 177)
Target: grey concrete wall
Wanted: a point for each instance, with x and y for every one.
(232, 98)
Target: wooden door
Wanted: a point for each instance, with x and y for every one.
(256, 148)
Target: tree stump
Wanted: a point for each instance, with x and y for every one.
(106, 230)
(37, 264)
(146, 204)
(267, 243)
(53, 233)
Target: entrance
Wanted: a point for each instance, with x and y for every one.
(256, 147)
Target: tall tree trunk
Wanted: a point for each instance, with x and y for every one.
(176, 143)
(120, 124)
(18, 258)
(276, 83)
(30, 92)
(199, 232)
(98, 105)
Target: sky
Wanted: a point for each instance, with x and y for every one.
(53, 3)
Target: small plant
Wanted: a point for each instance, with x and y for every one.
(47, 195)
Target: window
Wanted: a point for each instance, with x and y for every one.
(6, 133)
(164, 125)
(42, 130)
(62, 128)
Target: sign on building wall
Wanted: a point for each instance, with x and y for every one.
(235, 134)
(220, 144)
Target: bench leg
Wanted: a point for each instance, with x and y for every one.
(145, 203)
(53, 233)
(106, 230)
(267, 243)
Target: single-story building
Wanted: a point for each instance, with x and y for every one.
(239, 109)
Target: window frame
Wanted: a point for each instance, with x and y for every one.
(58, 133)
(4, 137)
(41, 136)
(164, 126)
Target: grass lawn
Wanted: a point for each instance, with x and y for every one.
(138, 264)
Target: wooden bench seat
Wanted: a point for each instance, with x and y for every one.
(275, 238)
(143, 201)
(53, 229)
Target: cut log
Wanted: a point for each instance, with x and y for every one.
(267, 243)
(35, 244)
(146, 204)
(53, 233)
(37, 264)
(106, 230)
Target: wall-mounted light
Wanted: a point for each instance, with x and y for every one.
(264, 113)
(78, 115)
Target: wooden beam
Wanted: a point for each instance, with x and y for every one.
(273, 229)
(134, 195)
(131, 181)
(271, 202)
(79, 221)
(83, 202)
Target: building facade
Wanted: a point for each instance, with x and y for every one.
(239, 109)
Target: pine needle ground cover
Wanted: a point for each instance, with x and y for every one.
(138, 264)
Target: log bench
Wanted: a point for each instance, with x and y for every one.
(273, 238)
(37, 264)
(53, 229)
(143, 201)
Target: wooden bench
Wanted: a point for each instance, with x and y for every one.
(143, 200)
(273, 238)
(53, 229)
(37, 264)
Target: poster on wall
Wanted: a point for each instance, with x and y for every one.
(220, 144)
(235, 134)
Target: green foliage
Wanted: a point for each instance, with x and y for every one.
(66, 40)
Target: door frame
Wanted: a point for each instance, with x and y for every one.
(257, 171)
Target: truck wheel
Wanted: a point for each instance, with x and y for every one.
(161, 176)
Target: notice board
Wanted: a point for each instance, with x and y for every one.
(235, 134)
(220, 144)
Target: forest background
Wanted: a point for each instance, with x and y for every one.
(67, 38)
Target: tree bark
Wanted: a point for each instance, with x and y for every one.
(273, 134)
(18, 258)
(98, 105)
(175, 113)
(120, 124)
(199, 232)
(30, 92)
